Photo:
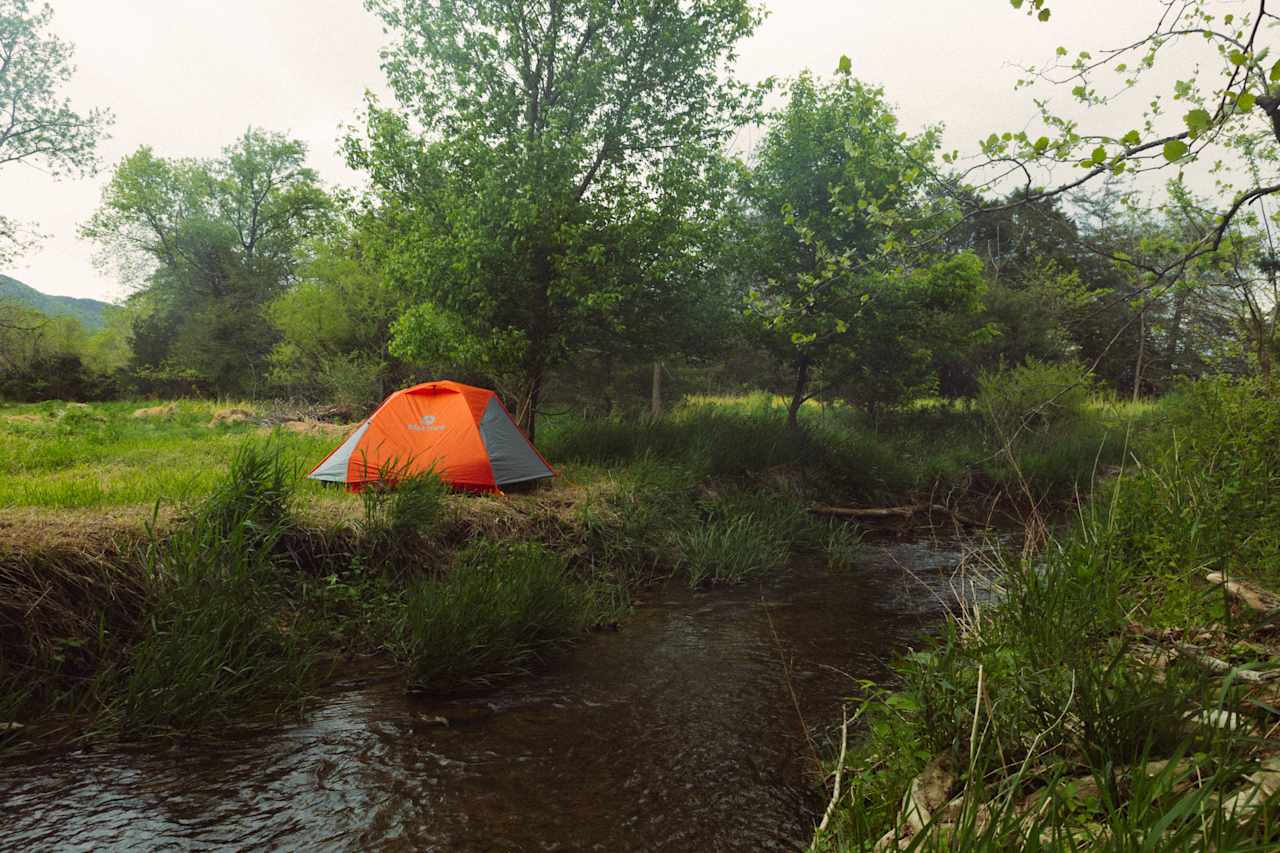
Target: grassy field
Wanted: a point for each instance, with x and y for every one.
(138, 539)
(62, 456)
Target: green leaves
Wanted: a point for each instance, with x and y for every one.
(1198, 121)
(1275, 72)
(845, 66)
(1174, 150)
(1245, 101)
(1131, 139)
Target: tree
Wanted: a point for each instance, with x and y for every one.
(831, 184)
(334, 325)
(42, 358)
(36, 125)
(1218, 121)
(210, 242)
(547, 175)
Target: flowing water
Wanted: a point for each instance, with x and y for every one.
(681, 731)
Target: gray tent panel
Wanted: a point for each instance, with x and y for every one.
(513, 460)
(334, 469)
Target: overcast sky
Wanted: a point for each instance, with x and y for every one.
(188, 76)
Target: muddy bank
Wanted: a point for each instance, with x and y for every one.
(677, 732)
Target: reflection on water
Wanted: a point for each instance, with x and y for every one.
(676, 733)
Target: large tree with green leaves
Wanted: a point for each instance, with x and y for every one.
(37, 125)
(831, 189)
(548, 172)
(210, 242)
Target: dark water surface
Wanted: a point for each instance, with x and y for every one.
(678, 732)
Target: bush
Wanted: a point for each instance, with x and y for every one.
(499, 609)
(1034, 397)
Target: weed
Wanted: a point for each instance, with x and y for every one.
(500, 608)
(731, 550)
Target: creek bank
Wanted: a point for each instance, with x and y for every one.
(679, 731)
(1123, 692)
(76, 608)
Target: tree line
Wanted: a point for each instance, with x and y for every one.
(553, 205)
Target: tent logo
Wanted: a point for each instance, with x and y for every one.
(427, 423)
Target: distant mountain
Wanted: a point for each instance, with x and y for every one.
(88, 311)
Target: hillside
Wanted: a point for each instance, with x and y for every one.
(88, 311)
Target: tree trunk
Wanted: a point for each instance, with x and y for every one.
(1142, 345)
(655, 401)
(533, 393)
(798, 394)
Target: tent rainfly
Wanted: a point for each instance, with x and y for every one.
(463, 433)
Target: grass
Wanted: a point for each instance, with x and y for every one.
(1067, 717)
(253, 576)
(500, 609)
(61, 456)
(218, 639)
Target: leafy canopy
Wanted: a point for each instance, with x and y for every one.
(550, 172)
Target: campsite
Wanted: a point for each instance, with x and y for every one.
(640, 425)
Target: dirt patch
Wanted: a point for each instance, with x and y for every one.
(166, 411)
(23, 419)
(312, 428)
(231, 416)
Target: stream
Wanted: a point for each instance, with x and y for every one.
(681, 731)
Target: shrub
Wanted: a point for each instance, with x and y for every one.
(1034, 397)
(498, 610)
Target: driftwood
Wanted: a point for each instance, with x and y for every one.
(1249, 800)
(888, 512)
(1159, 658)
(1247, 594)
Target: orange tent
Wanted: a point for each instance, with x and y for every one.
(464, 433)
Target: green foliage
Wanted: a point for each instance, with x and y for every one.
(335, 327)
(550, 201)
(216, 642)
(830, 189)
(500, 608)
(43, 358)
(214, 241)
(1034, 397)
(731, 550)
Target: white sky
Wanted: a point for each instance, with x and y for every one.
(188, 76)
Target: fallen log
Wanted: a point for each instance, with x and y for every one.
(867, 512)
(894, 512)
(1255, 598)
(1214, 664)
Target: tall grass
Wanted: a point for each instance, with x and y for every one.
(1057, 727)
(90, 457)
(500, 608)
(219, 636)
